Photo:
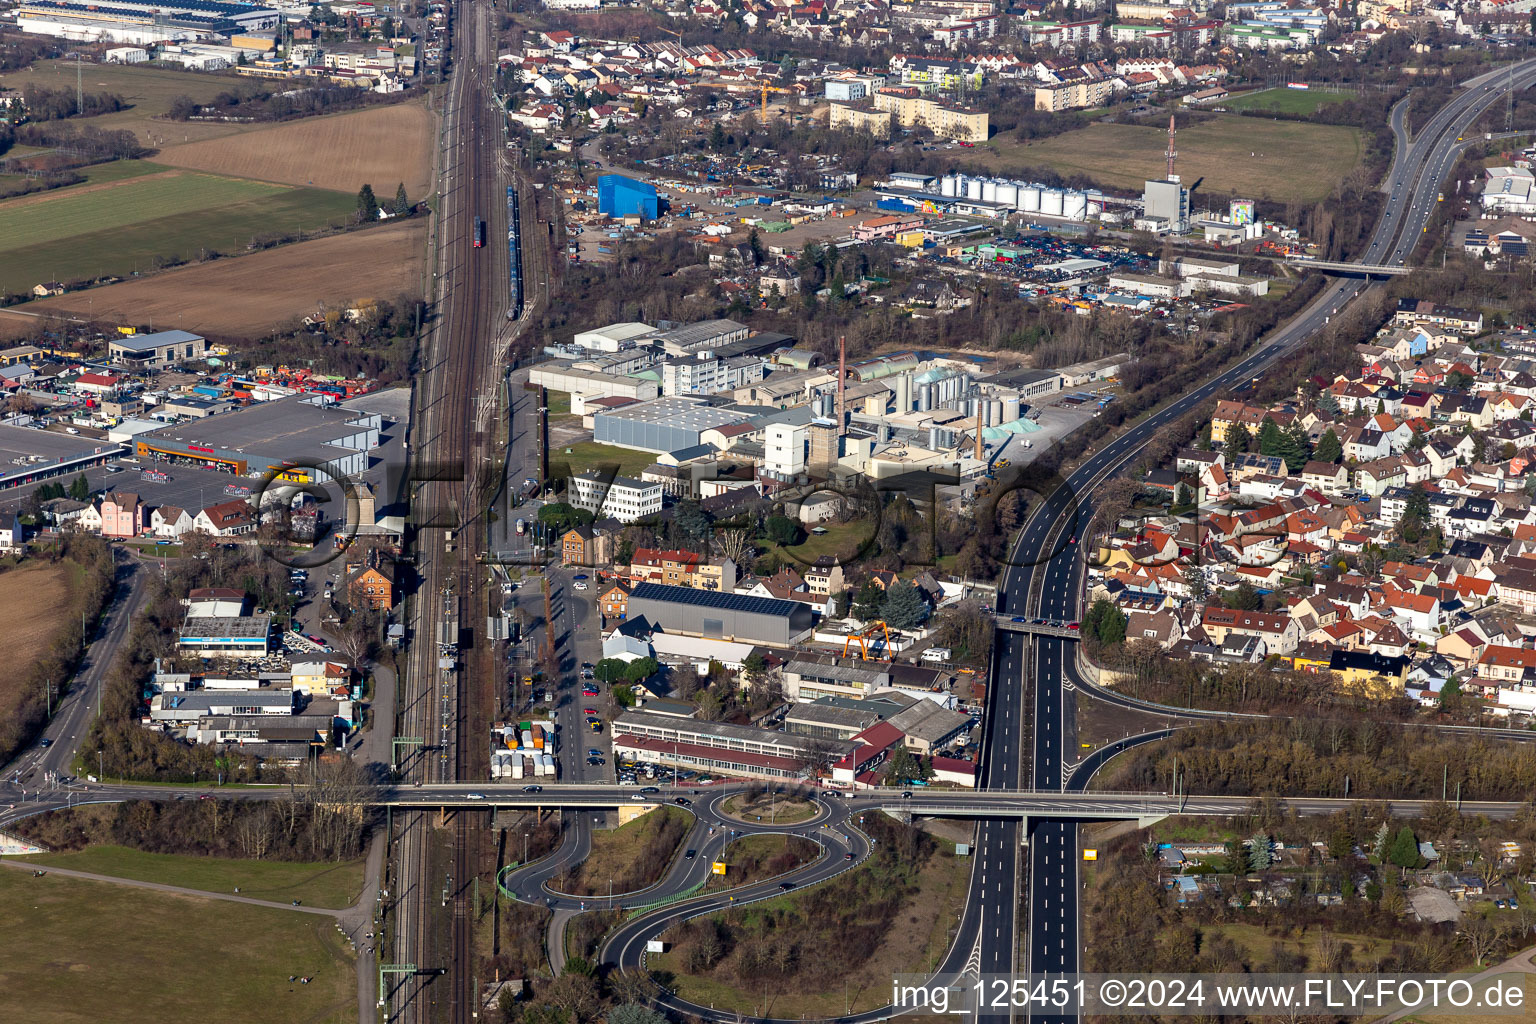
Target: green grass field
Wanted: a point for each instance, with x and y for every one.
(587, 454)
(82, 952)
(317, 885)
(150, 90)
(121, 230)
(1248, 156)
(29, 221)
(1287, 101)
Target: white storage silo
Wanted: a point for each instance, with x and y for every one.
(1029, 199)
(1010, 408)
(950, 185)
(1008, 194)
(989, 190)
(973, 188)
(1051, 202)
(1075, 206)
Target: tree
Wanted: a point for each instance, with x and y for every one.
(782, 530)
(1242, 598)
(80, 488)
(402, 203)
(903, 767)
(717, 138)
(609, 669)
(632, 1013)
(1237, 441)
(1404, 849)
(1104, 622)
(641, 669)
(1259, 852)
(903, 606)
(1340, 844)
(1328, 447)
(367, 205)
(576, 994)
(1269, 438)
(1199, 586)
(692, 521)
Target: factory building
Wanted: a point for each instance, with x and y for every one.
(153, 351)
(668, 424)
(757, 620)
(718, 746)
(618, 196)
(284, 437)
(137, 23)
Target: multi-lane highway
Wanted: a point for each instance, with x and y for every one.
(1047, 575)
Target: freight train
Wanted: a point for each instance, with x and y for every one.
(514, 257)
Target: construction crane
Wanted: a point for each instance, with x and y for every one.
(868, 631)
(768, 89)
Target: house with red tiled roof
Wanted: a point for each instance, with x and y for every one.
(1279, 631)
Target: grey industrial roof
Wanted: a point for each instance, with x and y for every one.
(21, 442)
(292, 427)
(835, 671)
(714, 599)
(250, 627)
(680, 411)
(147, 342)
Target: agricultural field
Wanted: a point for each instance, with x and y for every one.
(247, 297)
(1286, 101)
(149, 90)
(94, 951)
(33, 601)
(335, 886)
(1284, 161)
(380, 146)
(122, 227)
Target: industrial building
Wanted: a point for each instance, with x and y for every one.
(668, 424)
(563, 376)
(717, 746)
(1165, 207)
(181, 706)
(620, 498)
(239, 636)
(138, 23)
(285, 437)
(28, 456)
(153, 351)
(757, 620)
(618, 196)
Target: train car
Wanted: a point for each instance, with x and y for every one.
(514, 258)
(479, 233)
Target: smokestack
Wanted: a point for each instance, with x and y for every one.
(979, 456)
(1172, 131)
(842, 378)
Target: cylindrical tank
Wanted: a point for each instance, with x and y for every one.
(1029, 199)
(933, 439)
(1095, 207)
(973, 188)
(949, 185)
(1008, 193)
(989, 190)
(1010, 408)
(1075, 206)
(995, 412)
(1051, 202)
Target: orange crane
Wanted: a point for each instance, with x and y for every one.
(768, 89)
(868, 631)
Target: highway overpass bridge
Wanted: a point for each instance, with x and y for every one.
(917, 802)
(1351, 269)
(1038, 626)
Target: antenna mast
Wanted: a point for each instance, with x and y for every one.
(1172, 152)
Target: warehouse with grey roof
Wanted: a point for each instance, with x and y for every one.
(719, 616)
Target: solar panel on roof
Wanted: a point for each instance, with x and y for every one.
(713, 599)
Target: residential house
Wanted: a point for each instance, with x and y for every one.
(170, 522)
(226, 519)
(372, 584)
(123, 515)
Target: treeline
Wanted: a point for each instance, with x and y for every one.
(45, 104)
(1315, 755)
(25, 700)
(260, 101)
(825, 934)
(303, 829)
(379, 343)
(87, 145)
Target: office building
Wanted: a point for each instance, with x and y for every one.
(620, 498)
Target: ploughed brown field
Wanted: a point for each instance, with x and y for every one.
(251, 295)
(379, 146)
